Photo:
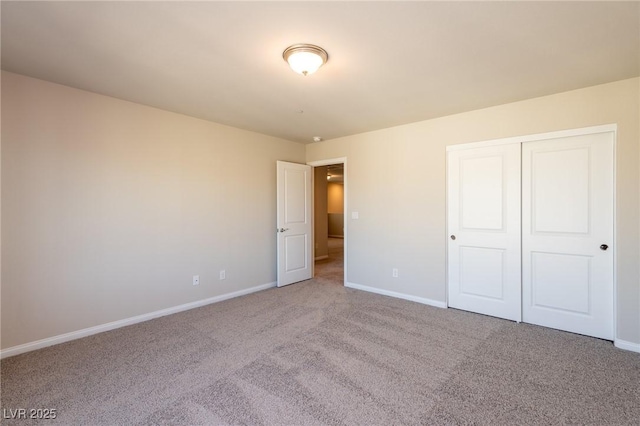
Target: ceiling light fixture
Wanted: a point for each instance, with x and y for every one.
(328, 177)
(305, 59)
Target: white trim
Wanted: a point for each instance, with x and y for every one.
(344, 222)
(536, 137)
(328, 162)
(313, 223)
(62, 338)
(615, 230)
(326, 256)
(423, 300)
(627, 346)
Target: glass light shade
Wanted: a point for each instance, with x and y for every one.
(305, 62)
(305, 59)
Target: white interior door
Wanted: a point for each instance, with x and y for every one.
(567, 215)
(484, 271)
(294, 223)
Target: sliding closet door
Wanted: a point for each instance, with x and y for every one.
(567, 232)
(483, 223)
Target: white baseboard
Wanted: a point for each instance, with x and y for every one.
(627, 346)
(50, 341)
(326, 256)
(423, 300)
(62, 338)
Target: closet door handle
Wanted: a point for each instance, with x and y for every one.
(604, 247)
(453, 237)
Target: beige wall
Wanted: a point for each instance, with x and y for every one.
(402, 214)
(320, 211)
(335, 195)
(109, 208)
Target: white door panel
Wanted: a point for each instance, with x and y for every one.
(295, 257)
(484, 217)
(567, 214)
(294, 222)
(561, 282)
(481, 272)
(561, 199)
(481, 198)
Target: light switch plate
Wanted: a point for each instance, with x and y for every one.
(354, 215)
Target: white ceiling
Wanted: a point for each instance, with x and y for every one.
(390, 63)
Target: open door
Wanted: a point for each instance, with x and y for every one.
(294, 226)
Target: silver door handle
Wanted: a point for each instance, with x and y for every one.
(282, 229)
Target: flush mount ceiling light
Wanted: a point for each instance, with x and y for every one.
(305, 59)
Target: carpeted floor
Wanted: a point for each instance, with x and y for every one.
(317, 353)
(331, 270)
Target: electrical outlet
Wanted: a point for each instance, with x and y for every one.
(223, 274)
(394, 272)
(196, 280)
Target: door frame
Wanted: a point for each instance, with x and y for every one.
(605, 128)
(328, 162)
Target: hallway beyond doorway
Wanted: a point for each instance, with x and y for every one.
(332, 268)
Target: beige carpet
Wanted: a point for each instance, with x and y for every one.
(317, 353)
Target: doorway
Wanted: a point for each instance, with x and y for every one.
(330, 227)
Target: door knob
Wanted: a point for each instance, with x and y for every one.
(603, 247)
(453, 237)
(282, 229)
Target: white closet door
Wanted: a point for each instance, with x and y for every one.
(484, 271)
(567, 232)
